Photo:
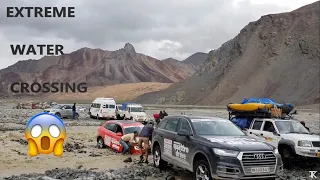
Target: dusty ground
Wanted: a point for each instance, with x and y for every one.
(120, 92)
(81, 152)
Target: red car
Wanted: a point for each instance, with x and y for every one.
(110, 132)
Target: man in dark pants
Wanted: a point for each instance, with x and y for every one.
(74, 111)
(144, 137)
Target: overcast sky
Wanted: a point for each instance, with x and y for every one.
(158, 28)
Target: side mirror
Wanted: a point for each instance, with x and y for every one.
(119, 134)
(184, 133)
(275, 133)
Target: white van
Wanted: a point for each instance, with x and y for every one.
(103, 108)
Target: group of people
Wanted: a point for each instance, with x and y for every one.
(144, 136)
(160, 116)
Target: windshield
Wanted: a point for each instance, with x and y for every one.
(57, 107)
(129, 130)
(209, 127)
(137, 109)
(286, 127)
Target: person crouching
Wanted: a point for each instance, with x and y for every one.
(127, 140)
(144, 137)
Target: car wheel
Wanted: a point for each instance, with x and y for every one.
(90, 115)
(287, 156)
(100, 143)
(202, 171)
(58, 114)
(131, 118)
(157, 161)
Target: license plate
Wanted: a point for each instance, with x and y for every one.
(318, 154)
(260, 170)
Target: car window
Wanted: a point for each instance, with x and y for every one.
(257, 125)
(172, 125)
(128, 130)
(68, 107)
(110, 126)
(268, 126)
(118, 128)
(184, 125)
(163, 123)
(111, 106)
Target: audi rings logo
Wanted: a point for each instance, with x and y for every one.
(259, 156)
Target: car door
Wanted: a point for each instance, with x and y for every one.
(270, 133)
(115, 140)
(255, 129)
(183, 146)
(169, 136)
(68, 111)
(109, 134)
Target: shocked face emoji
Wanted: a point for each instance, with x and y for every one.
(45, 134)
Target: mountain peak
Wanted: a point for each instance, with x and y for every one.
(129, 48)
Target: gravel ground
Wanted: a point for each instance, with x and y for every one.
(83, 160)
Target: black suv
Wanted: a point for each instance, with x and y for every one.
(212, 147)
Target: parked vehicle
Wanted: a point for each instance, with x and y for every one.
(110, 132)
(134, 112)
(293, 140)
(62, 111)
(212, 147)
(103, 108)
(119, 109)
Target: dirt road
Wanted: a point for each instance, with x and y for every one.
(80, 145)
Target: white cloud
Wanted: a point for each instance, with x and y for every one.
(161, 29)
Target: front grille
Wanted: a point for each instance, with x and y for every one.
(316, 143)
(266, 160)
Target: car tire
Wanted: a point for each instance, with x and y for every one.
(157, 161)
(287, 156)
(201, 169)
(58, 114)
(100, 143)
(90, 115)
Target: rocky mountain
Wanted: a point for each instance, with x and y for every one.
(196, 59)
(96, 67)
(276, 56)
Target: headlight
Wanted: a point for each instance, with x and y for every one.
(304, 143)
(224, 152)
(276, 151)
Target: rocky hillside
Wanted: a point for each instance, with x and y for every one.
(276, 56)
(196, 59)
(96, 67)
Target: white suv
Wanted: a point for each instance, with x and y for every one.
(290, 136)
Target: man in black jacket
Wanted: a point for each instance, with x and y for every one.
(74, 111)
(144, 137)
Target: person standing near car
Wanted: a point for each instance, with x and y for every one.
(144, 137)
(73, 111)
(127, 140)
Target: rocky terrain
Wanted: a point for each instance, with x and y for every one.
(82, 160)
(276, 56)
(97, 67)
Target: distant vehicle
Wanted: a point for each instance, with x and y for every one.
(62, 111)
(103, 108)
(213, 148)
(119, 109)
(81, 109)
(293, 140)
(110, 132)
(134, 112)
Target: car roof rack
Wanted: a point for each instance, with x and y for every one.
(257, 114)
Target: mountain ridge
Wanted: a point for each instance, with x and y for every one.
(276, 56)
